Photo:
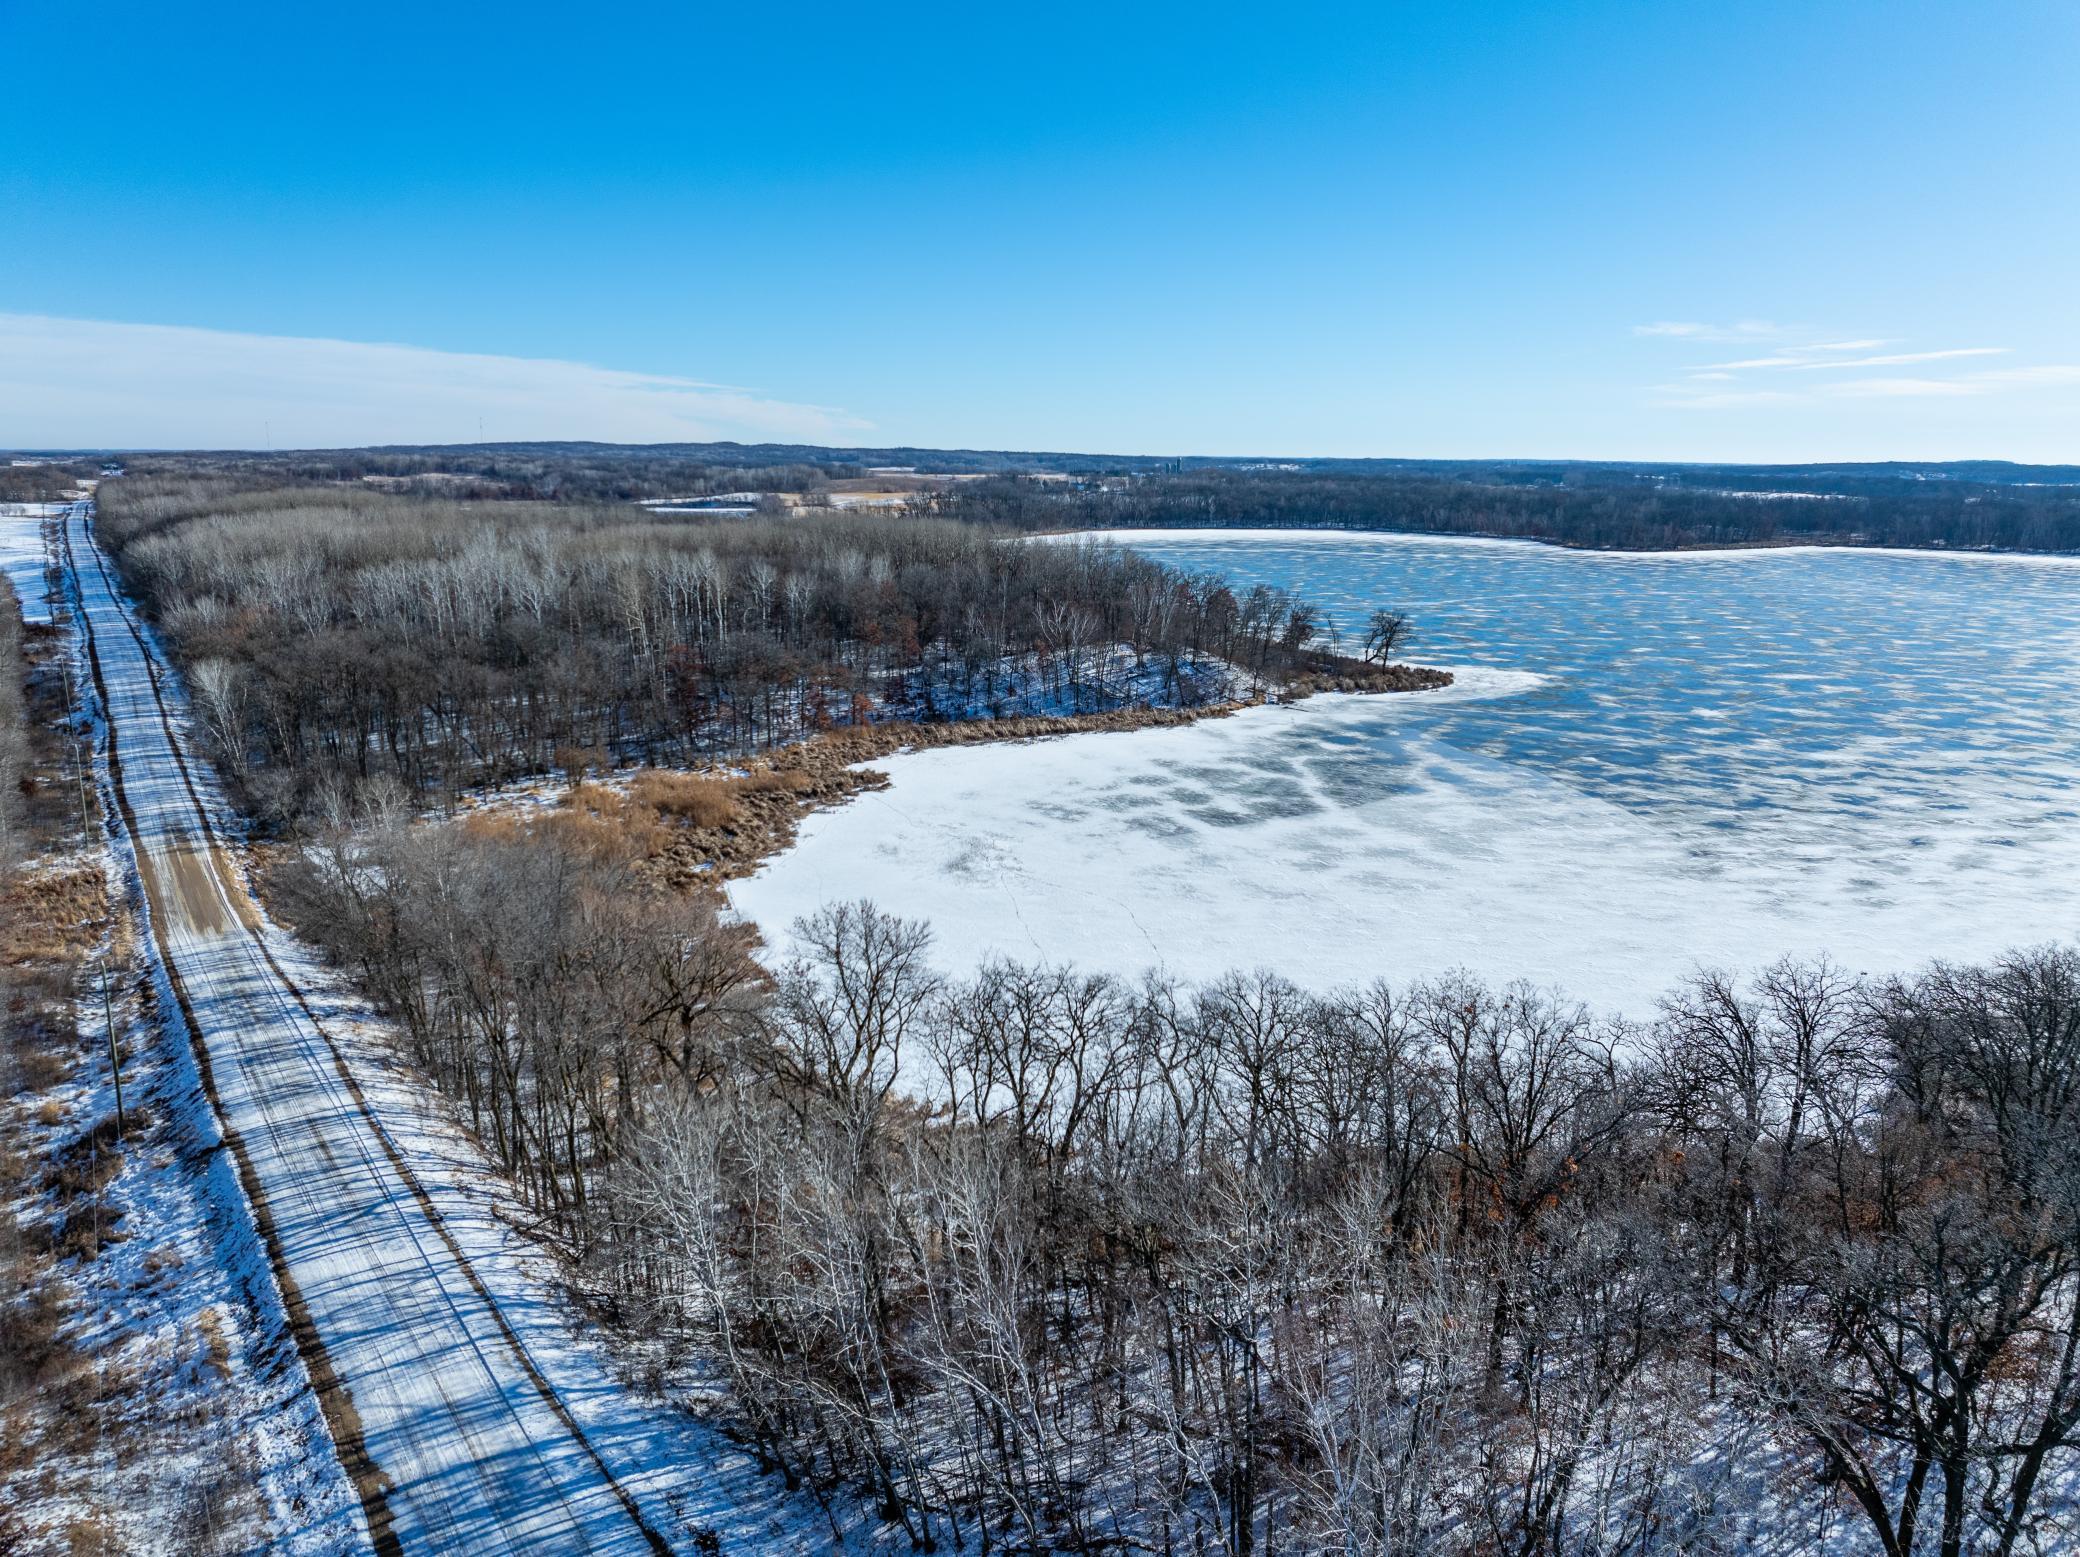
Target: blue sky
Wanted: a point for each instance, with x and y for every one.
(1610, 230)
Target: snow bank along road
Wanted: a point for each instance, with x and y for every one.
(452, 1436)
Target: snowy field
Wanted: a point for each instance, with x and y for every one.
(22, 553)
(1651, 762)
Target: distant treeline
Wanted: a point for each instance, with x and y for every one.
(335, 633)
(42, 482)
(1967, 504)
(1615, 507)
(519, 473)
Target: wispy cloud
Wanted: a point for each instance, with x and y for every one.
(1711, 391)
(1990, 382)
(1803, 358)
(2042, 374)
(1690, 330)
(1820, 364)
(1688, 396)
(1746, 364)
(91, 383)
(1898, 358)
(1903, 388)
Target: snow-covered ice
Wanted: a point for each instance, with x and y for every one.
(1651, 762)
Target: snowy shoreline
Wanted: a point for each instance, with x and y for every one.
(842, 767)
(876, 821)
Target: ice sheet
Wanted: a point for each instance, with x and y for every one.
(1869, 754)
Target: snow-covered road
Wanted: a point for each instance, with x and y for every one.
(452, 1433)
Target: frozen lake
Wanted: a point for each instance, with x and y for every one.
(1652, 762)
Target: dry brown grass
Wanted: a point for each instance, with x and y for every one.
(216, 1350)
(91, 1535)
(78, 1175)
(32, 1310)
(87, 1163)
(699, 800)
(595, 821)
(84, 1231)
(774, 781)
(686, 797)
(52, 915)
(35, 1068)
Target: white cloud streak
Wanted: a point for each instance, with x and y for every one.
(1795, 359)
(2047, 375)
(1690, 330)
(1684, 397)
(1766, 380)
(1708, 391)
(78, 383)
(1900, 388)
(2042, 374)
(1747, 364)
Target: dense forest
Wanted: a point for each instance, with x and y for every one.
(553, 473)
(336, 633)
(1044, 1261)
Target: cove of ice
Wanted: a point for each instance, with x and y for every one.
(1650, 763)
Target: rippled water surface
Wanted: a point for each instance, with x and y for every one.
(1712, 759)
(1800, 698)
